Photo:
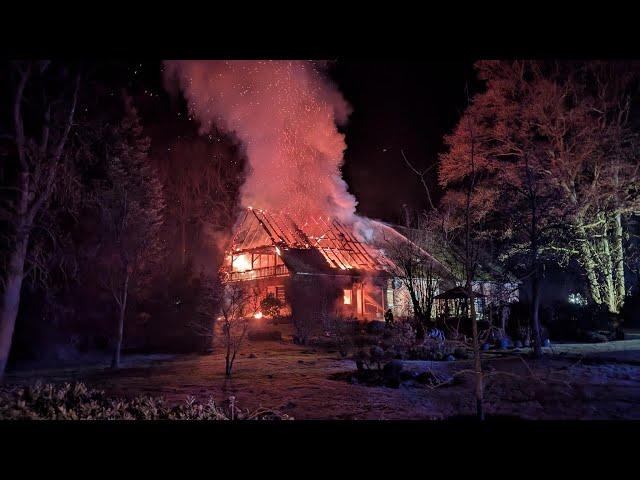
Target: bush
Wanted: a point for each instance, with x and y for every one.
(577, 322)
(374, 327)
(431, 349)
(341, 332)
(77, 402)
(372, 358)
(271, 305)
(400, 335)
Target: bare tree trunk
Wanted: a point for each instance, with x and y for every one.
(470, 265)
(15, 269)
(233, 358)
(115, 362)
(618, 254)
(535, 264)
(227, 357)
(183, 242)
(535, 313)
(479, 389)
(227, 367)
(589, 264)
(608, 270)
(11, 298)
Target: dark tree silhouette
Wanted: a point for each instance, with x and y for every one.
(131, 203)
(43, 106)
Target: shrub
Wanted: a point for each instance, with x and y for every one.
(271, 305)
(400, 335)
(77, 402)
(372, 358)
(581, 322)
(431, 349)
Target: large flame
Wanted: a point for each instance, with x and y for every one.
(241, 263)
(285, 114)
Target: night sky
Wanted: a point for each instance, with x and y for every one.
(396, 105)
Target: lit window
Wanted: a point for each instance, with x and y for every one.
(241, 263)
(347, 297)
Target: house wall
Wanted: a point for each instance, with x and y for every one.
(316, 298)
(319, 296)
(363, 298)
(247, 266)
(276, 285)
(399, 299)
(310, 296)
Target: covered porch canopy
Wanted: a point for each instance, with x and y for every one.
(455, 303)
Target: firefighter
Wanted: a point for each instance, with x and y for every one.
(388, 318)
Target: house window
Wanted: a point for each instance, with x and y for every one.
(347, 297)
(280, 294)
(241, 263)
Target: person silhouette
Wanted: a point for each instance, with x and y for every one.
(388, 317)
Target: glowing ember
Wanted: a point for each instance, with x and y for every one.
(257, 315)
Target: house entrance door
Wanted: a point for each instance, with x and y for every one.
(359, 301)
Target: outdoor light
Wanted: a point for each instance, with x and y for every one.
(576, 299)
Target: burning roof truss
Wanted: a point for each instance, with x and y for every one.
(259, 230)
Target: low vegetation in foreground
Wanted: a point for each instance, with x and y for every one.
(77, 402)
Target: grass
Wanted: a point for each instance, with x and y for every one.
(302, 382)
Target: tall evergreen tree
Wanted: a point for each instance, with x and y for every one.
(131, 202)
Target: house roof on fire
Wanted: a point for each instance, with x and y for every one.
(317, 245)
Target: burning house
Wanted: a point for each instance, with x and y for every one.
(314, 267)
(285, 116)
(320, 268)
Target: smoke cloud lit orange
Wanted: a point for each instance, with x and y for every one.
(285, 114)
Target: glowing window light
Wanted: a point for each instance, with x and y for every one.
(241, 263)
(347, 297)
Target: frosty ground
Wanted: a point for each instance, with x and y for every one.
(573, 381)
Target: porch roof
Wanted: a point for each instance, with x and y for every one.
(456, 293)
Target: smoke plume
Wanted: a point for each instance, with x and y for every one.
(285, 114)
